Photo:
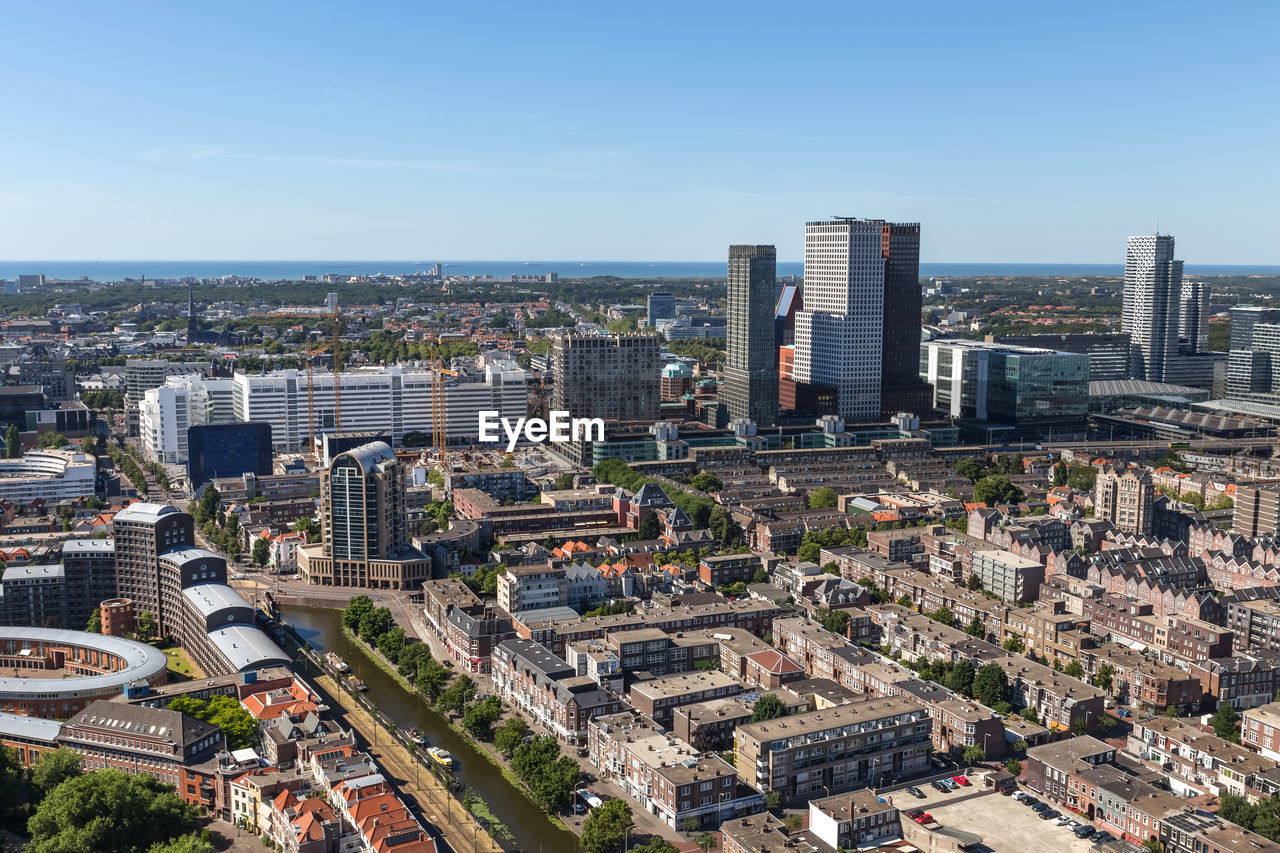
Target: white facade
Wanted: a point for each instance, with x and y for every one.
(387, 399)
(51, 475)
(164, 414)
(1152, 298)
(838, 333)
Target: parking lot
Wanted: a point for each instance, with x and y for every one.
(1003, 822)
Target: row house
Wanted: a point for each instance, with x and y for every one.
(1245, 679)
(1196, 762)
(660, 653)
(1197, 832)
(709, 726)
(549, 689)
(728, 569)
(1124, 805)
(1228, 572)
(1198, 601)
(469, 629)
(666, 776)
(1175, 638)
(382, 821)
(900, 546)
(1260, 730)
(1143, 682)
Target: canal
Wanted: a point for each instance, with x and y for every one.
(322, 628)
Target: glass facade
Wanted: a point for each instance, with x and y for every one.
(227, 450)
(1009, 385)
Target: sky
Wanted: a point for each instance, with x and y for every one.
(1013, 132)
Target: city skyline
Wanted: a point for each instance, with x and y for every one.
(531, 134)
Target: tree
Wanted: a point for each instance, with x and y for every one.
(996, 490)
(94, 625)
(1226, 722)
(233, 524)
(355, 611)
(991, 685)
(210, 503)
(1060, 474)
(432, 678)
(391, 644)
(1082, 477)
(186, 844)
(943, 614)
(835, 621)
(238, 725)
(649, 528)
(51, 440)
(760, 576)
(824, 497)
(773, 800)
(1014, 644)
(479, 717)
(510, 735)
(792, 822)
(1153, 845)
(767, 707)
(961, 678)
(458, 695)
(562, 482)
(977, 628)
(52, 769)
(606, 827)
(1074, 669)
(707, 842)
(974, 755)
(375, 623)
(723, 527)
(705, 482)
(1014, 766)
(975, 583)
(1105, 675)
(655, 845)
(110, 811)
(904, 600)
(261, 551)
(970, 469)
(146, 624)
(12, 443)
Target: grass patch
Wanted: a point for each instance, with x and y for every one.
(180, 665)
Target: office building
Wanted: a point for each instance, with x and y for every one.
(1244, 318)
(615, 377)
(662, 306)
(1007, 384)
(141, 374)
(901, 388)
(50, 475)
(227, 450)
(1193, 317)
(1152, 299)
(364, 522)
(1126, 498)
(839, 332)
(1109, 352)
(750, 386)
(16, 401)
(52, 375)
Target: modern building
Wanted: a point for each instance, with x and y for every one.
(662, 306)
(1244, 318)
(1257, 509)
(142, 374)
(1012, 579)
(364, 521)
(615, 377)
(839, 332)
(901, 388)
(50, 475)
(750, 376)
(1125, 498)
(1110, 353)
(1193, 317)
(227, 450)
(1152, 300)
(1013, 385)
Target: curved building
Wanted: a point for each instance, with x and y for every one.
(46, 672)
(51, 475)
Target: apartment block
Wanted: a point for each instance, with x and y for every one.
(659, 697)
(1012, 579)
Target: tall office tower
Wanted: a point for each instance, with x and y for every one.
(1193, 317)
(615, 377)
(1152, 295)
(750, 388)
(901, 388)
(364, 521)
(1126, 498)
(1244, 318)
(839, 331)
(662, 306)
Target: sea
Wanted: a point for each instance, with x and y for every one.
(296, 270)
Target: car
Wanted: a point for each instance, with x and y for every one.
(1124, 712)
(913, 813)
(916, 792)
(1073, 825)
(1030, 801)
(961, 781)
(1048, 814)
(923, 819)
(941, 787)
(1083, 830)
(1100, 837)
(1061, 820)
(1038, 806)
(1020, 796)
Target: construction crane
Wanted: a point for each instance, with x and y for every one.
(311, 400)
(439, 411)
(337, 367)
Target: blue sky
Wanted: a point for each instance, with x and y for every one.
(1017, 132)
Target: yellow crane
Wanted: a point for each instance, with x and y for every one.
(439, 411)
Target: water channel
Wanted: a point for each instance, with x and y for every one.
(322, 628)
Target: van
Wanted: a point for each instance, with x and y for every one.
(1109, 704)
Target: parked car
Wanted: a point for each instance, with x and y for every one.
(916, 792)
(1030, 801)
(1038, 806)
(913, 813)
(1124, 712)
(951, 784)
(1049, 814)
(1083, 830)
(960, 780)
(941, 787)
(1061, 820)
(923, 819)
(1100, 837)
(1020, 796)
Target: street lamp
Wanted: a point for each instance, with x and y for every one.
(627, 846)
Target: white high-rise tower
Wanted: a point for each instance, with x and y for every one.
(1152, 295)
(839, 331)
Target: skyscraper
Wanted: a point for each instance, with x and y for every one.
(841, 330)
(750, 387)
(1152, 297)
(364, 521)
(662, 306)
(615, 377)
(1193, 317)
(901, 388)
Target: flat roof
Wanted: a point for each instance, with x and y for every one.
(246, 647)
(210, 598)
(31, 728)
(141, 662)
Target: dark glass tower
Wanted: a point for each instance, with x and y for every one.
(751, 367)
(901, 389)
